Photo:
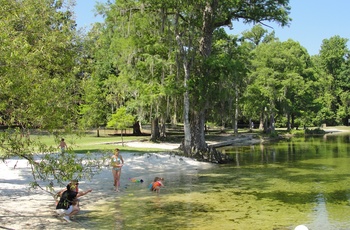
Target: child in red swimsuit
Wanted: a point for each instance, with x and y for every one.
(158, 182)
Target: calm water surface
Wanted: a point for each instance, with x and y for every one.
(275, 186)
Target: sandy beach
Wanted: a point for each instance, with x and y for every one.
(22, 208)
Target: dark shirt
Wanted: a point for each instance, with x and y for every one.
(66, 199)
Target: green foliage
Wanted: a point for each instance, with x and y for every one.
(315, 131)
(94, 109)
(333, 53)
(121, 119)
(138, 62)
(40, 87)
(333, 66)
(297, 132)
(273, 134)
(280, 80)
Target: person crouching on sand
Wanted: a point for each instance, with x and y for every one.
(69, 202)
(60, 193)
(157, 183)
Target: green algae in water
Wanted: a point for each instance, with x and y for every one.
(277, 186)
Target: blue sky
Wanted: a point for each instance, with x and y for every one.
(313, 21)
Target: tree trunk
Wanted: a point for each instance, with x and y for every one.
(205, 47)
(187, 126)
(98, 131)
(272, 122)
(261, 124)
(266, 118)
(206, 41)
(174, 117)
(162, 128)
(155, 134)
(236, 110)
(272, 117)
(136, 128)
(198, 124)
(288, 122)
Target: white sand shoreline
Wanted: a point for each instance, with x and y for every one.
(21, 208)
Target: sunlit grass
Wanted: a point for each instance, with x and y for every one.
(92, 143)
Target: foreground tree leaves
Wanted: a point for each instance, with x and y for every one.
(49, 167)
(40, 87)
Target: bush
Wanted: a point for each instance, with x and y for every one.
(314, 131)
(297, 132)
(273, 134)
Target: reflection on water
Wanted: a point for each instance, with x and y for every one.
(276, 186)
(321, 219)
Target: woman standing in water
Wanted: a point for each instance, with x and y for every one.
(117, 163)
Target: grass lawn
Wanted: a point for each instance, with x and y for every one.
(91, 143)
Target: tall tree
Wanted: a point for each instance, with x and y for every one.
(258, 35)
(210, 16)
(281, 76)
(229, 63)
(334, 56)
(142, 57)
(121, 120)
(251, 99)
(96, 69)
(323, 94)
